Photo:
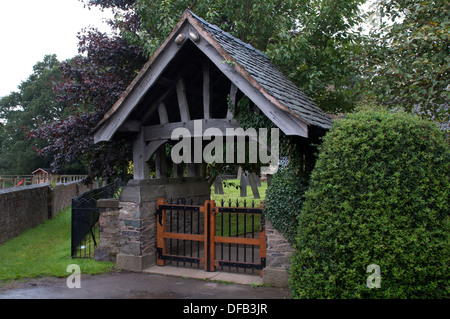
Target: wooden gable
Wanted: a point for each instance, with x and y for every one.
(191, 76)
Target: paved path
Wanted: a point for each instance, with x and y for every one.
(128, 285)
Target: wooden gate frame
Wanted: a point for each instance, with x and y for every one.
(209, 238)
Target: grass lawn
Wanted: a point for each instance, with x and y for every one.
(244, 223)
(45, 251)
(234, 194)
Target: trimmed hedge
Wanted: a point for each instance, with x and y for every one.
(379, 194)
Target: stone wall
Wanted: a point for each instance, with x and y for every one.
(278, 255)
(25, 207)
(108, 246)
(62, 194)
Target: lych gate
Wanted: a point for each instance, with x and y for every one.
(197, 76)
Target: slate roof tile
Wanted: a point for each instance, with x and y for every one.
(260, 67)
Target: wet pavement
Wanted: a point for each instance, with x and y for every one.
(129, 285)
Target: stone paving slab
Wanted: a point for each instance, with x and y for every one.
(243, 279)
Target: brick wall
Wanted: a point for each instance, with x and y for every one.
(25, 207)
(62, 194)
(22, 208)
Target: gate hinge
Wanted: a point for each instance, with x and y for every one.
(159, 253)
(159, 214)
(263, 263)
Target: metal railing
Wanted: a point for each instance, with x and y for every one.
(8, 181)
(85, 216)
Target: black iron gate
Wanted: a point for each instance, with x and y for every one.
(85, 220)
(210, 237)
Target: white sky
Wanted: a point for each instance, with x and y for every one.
(30, 29)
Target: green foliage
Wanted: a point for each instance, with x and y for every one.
(284, 200)
(378, 195)
(415, 35)
(316, 47)
(33, 105)
(310, 41)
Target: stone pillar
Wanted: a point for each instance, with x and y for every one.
(278, 255)
(137, 239)
(108, 248)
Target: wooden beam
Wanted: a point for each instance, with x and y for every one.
(233, 94)
(206, 91)
(152, 147)
(162, 96)
(182, 101)
(164, 131)
(162, 111)
(141, 169)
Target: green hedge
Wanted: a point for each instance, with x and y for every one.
(283, 202)
(379, 194)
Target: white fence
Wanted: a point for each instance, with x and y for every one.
(7, 181)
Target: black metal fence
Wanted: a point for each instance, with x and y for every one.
(85, 219)
(240, 219)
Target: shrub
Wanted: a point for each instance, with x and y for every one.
(283, 202)
(378, 195)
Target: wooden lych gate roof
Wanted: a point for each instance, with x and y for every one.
(193, 75)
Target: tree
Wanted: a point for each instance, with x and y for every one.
(410, 57)
(316, 47)
(310, 41)
(33, 105)
(91, 83)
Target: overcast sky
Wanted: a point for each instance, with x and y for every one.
(30, 29)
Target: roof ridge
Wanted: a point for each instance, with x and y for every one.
(227, 34)
(299, 103)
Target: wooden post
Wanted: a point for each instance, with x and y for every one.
(207, 230)
(191, 166)
(161, 162)
(233, 93)
(141, 169)
(182, 101)
(160, 229)
(212, 246)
